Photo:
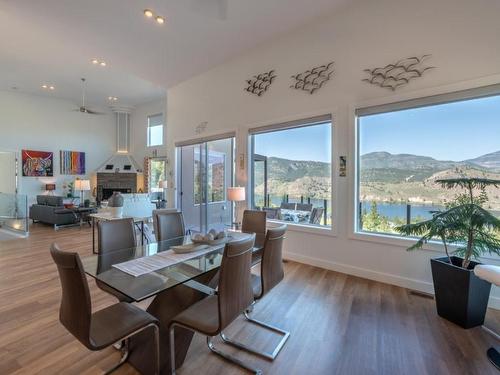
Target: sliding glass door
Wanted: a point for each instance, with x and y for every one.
(206, 170)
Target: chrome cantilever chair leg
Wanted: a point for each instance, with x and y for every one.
(231, 359)
(212, 348)
(125, 349)
(271, 356)
(492, 353)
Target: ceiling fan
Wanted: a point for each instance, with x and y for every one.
(83, 108)
(211, 8)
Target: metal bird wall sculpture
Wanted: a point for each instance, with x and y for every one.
(259, 84)
(400, 73)
(312, 80)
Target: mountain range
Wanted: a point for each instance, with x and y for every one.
(386, 167)
(382, 164)
(384, 177)
(385, 159)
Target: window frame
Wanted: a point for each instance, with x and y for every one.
(294, 123)
(423, 98)
(148, 132)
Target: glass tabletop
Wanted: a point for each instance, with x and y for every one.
(100, 266)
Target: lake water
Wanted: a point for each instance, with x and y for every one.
(395, 210)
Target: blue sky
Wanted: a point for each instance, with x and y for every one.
(308, 143)
(454, 131)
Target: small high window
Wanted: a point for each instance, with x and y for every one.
(155, 130)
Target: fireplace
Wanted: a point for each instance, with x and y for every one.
(107, 183)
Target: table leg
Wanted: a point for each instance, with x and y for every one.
(142, 233)
(164, 307)
(93, 235)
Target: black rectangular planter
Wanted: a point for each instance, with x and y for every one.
(461, 297)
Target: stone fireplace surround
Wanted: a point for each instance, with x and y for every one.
(107, 183)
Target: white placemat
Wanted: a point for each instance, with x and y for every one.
(142, 266)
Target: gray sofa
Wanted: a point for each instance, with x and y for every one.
(45, 209)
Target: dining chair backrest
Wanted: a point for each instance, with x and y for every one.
(169, 224)
(316, 215)
(304, 207)
(75, 312)
(116, 234)
(254, 221)
(235, 280)
(272, 259)
(157, 212)
(288, 206)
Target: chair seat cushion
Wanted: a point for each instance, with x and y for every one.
(256, 286)
(203, 316)
(488, 272)
(113, 323)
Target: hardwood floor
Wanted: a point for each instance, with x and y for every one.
(339, 324)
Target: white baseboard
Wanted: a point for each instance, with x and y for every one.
(387, 278)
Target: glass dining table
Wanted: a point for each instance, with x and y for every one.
(172, 289)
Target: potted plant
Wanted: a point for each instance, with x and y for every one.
(465, 224)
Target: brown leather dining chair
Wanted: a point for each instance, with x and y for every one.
(168, 224)
(105, 327)
(115, 235)
(213, 314)
(271, 274)
(254, 221)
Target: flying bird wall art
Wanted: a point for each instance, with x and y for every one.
(259, 83)
(398, 74)
(312, 80)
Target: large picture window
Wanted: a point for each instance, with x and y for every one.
(403, 150)
(292, 172)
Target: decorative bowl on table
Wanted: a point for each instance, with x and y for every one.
(211, 238)
(188, 248)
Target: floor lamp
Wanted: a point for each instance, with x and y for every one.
(236, 194)
(82, 186)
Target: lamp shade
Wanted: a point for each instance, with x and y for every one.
(50, 187)
(236, 194)
(163, 184)
(82, 185)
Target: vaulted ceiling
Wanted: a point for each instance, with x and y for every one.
(53, 42)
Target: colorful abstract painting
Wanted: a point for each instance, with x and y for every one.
(37, 163)
(72, 162)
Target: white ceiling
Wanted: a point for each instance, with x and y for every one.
(53, 41)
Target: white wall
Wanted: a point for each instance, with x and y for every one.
(8, 172)
(461, 35)
(139, 126)
(46, 124)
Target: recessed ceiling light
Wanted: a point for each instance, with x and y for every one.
(52, 88)
(98, 62)
(148, 13)
(44, 86)
(160, 20)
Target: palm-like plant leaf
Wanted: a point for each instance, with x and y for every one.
(474, 230)
(468, 183)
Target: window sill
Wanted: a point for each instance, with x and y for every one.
(398, 241)
(294, 227)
